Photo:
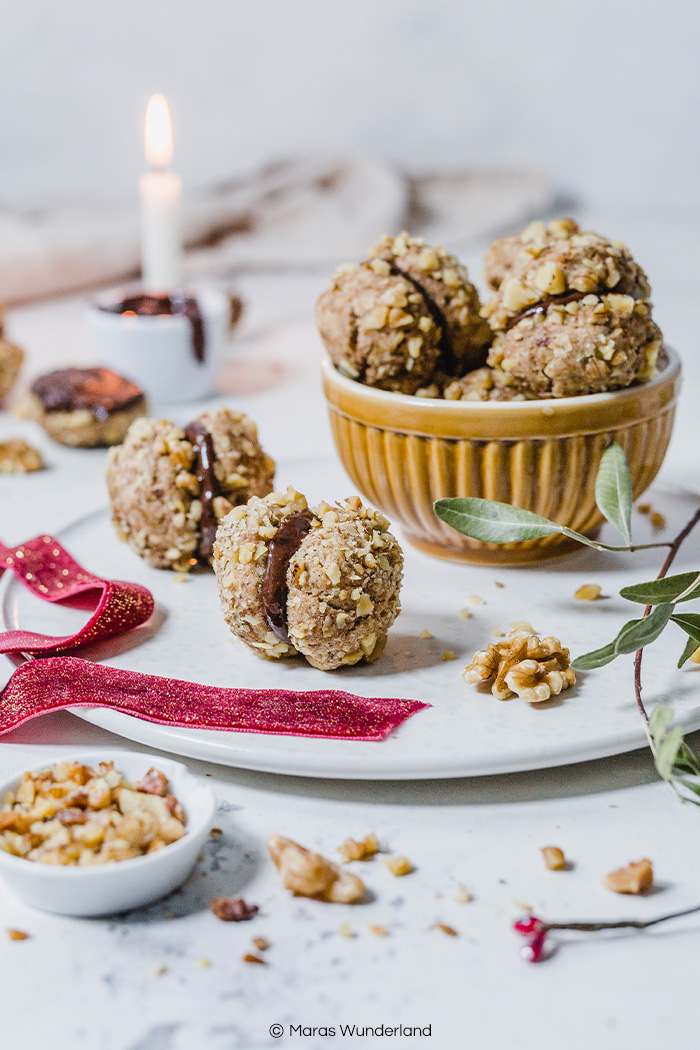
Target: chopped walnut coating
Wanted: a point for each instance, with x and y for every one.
(403, 317)
(523, 665)
(552, 260)
(74, 814)
(309, 874)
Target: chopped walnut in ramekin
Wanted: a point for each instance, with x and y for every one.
(74, 814)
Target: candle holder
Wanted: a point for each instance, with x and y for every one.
(170, 344)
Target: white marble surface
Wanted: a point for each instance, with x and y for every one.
(98, 983)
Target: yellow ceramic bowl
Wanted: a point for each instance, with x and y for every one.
(403, 453)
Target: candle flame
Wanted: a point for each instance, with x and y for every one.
(159, 132)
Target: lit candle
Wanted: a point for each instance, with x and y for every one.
(160, 191)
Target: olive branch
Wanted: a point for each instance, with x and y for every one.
(494, 522)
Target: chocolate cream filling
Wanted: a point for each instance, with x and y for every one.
(438, 318)
(544, 304)
(275, 587)
(98, 390)
(198, 435)
(158, 305)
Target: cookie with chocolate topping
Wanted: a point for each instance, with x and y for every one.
(397, 318)
(323, 584)
(170, 487)
(84, 407)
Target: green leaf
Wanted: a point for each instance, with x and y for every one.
(690, 623)
(596, 658)
(690, 647)
(666, 752)
(659, 721)
(485, 519)
(687, 761)
(668, 589)
(634, 635)
(638, 633)
(691, 787)
(613, 491)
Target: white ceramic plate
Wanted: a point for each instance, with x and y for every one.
(466, 732)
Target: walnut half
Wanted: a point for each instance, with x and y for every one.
(309, 874)
(524, 665)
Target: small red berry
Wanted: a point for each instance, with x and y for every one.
(526, 927)
(534, 949)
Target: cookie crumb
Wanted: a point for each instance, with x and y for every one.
(17, 935)
(425, 633)
(554, 859)
(637, 877)
(448, 655)
(399, 865)
(17, 457)
(233, 909)
(589, 592)
(352, 849)
(261, 943)
(465, 614)
(474, 599)
(449, 930)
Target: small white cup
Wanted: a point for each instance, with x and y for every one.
(157, 351)
(106, 889)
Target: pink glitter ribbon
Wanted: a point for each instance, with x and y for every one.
(58, 682)
(48, 570)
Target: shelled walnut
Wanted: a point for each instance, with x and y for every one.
(308, 874)
(524, 665)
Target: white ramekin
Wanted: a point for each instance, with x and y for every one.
(122, 885)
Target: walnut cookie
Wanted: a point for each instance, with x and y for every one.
(571, 313)
(400, 316)
(322, 584)
(170, 487)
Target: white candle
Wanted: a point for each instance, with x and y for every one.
(160, 191)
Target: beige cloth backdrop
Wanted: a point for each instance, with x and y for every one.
(292, 214)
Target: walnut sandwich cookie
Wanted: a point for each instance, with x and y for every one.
(169, 488)
(323, 584)
(84, 407)
(406, 313)
(570, 312)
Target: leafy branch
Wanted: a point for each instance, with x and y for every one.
(495, 522)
